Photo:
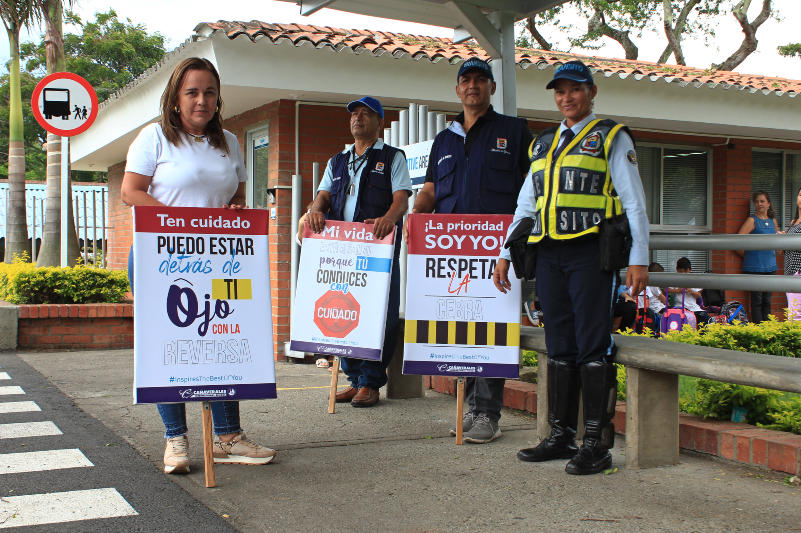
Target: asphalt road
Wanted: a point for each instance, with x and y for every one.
(393, 468)
(95, 471)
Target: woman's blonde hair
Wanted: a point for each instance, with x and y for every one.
(171, 119)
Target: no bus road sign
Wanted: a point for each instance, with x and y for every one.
(64, 104)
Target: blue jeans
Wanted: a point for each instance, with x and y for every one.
(373, 374)
(224, 414)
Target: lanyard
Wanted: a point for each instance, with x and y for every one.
(356, 162)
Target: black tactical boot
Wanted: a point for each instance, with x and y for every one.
(563, 393)
(599, 385)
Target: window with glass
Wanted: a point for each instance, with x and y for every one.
(676, 183)
(779, 174)
(259, 163)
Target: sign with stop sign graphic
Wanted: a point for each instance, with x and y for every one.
(342, 291)
(337, 314)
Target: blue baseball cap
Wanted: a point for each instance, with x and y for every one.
(472, 63)
(572, 70)
(369, 102)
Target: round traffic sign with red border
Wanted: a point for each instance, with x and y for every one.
(64, 104)
(336, 314)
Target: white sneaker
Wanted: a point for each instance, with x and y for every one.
(176, 455)
(241, 451)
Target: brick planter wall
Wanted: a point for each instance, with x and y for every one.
(75, 326)
(734, 441)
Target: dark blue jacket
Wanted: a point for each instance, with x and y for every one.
(490, 180)
(375, 187)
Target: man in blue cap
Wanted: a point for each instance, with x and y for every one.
(582, 182)
(369, 183)
(477, 167)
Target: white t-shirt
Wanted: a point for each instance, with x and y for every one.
(192, 174)
(690, 303)
(653, 300)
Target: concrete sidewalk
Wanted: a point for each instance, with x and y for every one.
(394, 468)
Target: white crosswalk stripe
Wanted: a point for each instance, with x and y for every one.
(57, 507)
(18, 407)
(28, 429)
(50, 508)
(16, 463)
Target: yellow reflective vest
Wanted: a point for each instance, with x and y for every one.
(574, 193)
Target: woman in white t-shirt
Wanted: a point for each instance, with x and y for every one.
(189, 160)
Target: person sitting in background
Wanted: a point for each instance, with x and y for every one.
(683, 266)
(657, 301)
(625, 308)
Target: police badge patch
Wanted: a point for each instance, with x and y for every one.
(539, 147)
(592, 144)
(501, 144)
(631, 155)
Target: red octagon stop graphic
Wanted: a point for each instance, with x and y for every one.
(336, 314)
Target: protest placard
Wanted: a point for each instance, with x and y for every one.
(342, 291)
(202, 314)
(457, 322)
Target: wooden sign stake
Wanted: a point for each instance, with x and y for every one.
(332, 405)
(459, 409)
(208, 459)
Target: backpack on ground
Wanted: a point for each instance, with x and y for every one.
(732, 312)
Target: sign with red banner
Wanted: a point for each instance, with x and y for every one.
(342, 291)
(457, 322)
(202, 315)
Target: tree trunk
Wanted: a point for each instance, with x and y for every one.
(749, 44)
(532, 29)
(50, 253)
(679, 29)
(17, 222)
(597, 23)
(674, 39)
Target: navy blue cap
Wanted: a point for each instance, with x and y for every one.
(572, 70)
(368, 101)
(472, 63)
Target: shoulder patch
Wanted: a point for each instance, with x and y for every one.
(592, 144)
(631, 155)
(539, 148)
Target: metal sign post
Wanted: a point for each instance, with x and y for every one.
(65, 189)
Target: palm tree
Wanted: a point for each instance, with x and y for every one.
(15, 15)
(52, 11)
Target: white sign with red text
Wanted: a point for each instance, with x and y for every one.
(202, 314)
(457, 322)
(342, 291)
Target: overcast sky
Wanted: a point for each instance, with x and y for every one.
(176, 19)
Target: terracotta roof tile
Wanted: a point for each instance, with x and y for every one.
(437, 49)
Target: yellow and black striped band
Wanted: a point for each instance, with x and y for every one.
(458, 332)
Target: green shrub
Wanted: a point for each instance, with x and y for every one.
(23, 283)
(787, 417)
(529, 358)
(713, 399)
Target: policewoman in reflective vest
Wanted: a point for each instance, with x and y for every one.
(477, 166)
(367, 183)
(583, 172)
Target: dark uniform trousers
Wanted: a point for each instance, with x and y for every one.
(577, 300)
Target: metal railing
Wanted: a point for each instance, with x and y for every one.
(90, 206)
(739, 282)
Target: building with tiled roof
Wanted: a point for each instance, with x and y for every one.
(705, 138)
